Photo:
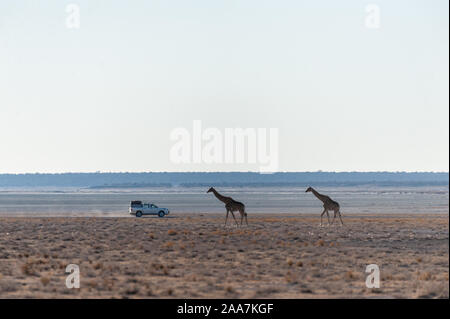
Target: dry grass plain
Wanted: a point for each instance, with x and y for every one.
(194, 256)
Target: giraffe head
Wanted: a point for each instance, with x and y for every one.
(210, 190)
(309, 189)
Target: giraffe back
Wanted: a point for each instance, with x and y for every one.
(330, 204)
(235, 206)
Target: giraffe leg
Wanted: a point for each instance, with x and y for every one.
(339, 212)
(321, 215)
(226, 220)
(232, 214)
(328, 216)
(334, 216)
(243, 215)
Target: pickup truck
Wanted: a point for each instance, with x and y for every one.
(138, 208)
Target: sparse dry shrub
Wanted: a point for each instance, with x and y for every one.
(376, 291)
(160, 269)
(9, 286)
(133, 290)
(350, 275)
(45, 280)
(289, 261)
(169, 244)
(172, 232)
(98, 266)
(27, 268)
(387, 276)
(299, 264)
(291, 278)
(425, 276)
(402, 277)
(91, 284)
(157, 266)
(229, 289)
(265, 291)
(108, 283)
(320, 242)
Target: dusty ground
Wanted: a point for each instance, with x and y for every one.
(193, 256)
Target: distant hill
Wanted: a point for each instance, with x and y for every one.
(166, 179)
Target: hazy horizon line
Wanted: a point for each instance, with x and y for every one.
(208, 172)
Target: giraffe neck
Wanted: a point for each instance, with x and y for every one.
(318, 195)
(220, 197)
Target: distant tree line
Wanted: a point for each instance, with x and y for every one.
(168, 179)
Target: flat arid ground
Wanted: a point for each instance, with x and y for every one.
(194, 256)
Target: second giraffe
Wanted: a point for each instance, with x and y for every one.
(231, 206)
(328, 204)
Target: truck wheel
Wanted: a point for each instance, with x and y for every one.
(138, 214)
(161, 214)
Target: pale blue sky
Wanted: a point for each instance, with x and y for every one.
(344, 97)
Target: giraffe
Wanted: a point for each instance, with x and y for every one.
(231, 206)
(328, 204)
